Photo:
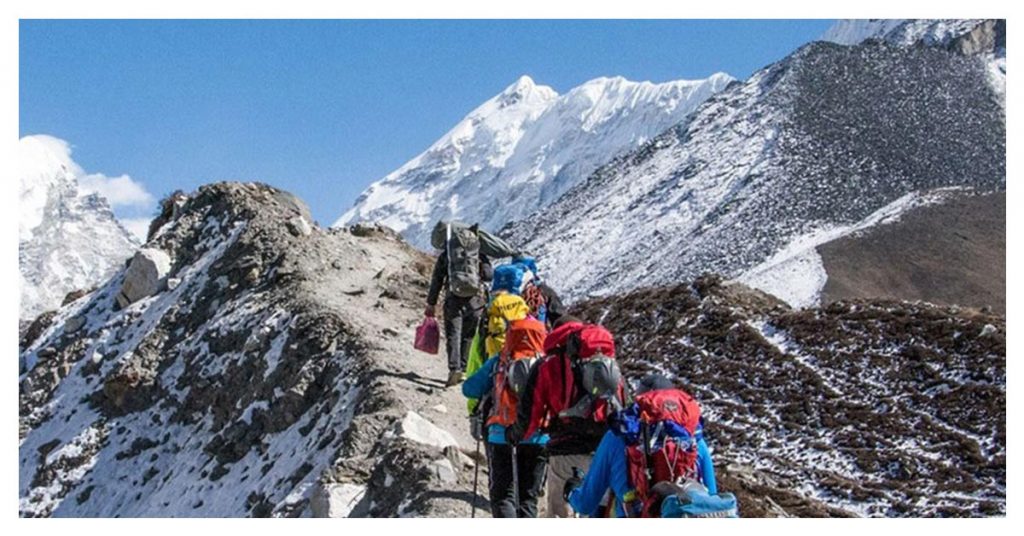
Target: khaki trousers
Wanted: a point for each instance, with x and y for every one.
(560, 470)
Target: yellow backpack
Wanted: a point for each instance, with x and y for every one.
(503, 309)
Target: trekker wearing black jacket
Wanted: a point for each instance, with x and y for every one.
(461, 314)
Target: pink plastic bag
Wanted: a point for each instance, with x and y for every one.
(428, 336)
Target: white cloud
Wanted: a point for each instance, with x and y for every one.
(137, 226)
(45, 162)
(119, 191)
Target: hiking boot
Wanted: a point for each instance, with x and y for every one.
(454, 378)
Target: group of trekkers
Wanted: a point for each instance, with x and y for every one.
(547, 397)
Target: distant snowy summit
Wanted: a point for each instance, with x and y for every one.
(904, 32)
(522, 149)
(812, 148)
(67, 239)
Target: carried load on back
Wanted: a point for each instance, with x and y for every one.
(523, 348)
(491, 246)
(577, 353)
(664, 431)
(654, 459)
(462, 244)
(501, 312)
(516, 469)
(462, 268)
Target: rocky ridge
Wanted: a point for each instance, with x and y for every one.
(267, 371)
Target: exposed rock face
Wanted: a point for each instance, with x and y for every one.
(988, 37)
(254, 385)
(336, 500)
(146, 275)
(965, 36)
(877, 408)
(415, 428)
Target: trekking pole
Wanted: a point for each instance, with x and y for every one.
(515, 479)
(476, 478)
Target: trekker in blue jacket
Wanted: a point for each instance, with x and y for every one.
(531, 457)
(610, 466)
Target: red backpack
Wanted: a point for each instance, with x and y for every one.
(667, 447)
(590, 340)
(583, 343)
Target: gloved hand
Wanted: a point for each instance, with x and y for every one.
(430, 311)
(572, 483)
(514, 433)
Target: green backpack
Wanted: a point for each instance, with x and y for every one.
(463, 247)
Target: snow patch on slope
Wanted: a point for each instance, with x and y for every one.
(903, 32)
(796, 274)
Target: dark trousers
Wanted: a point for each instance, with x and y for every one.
(532, 461)
(461, 317)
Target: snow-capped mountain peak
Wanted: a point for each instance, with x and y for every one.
(520, 150)
(44, 166)
(812, 146)
(67, 239)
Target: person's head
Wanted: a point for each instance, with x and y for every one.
(566, 319)
(653, 382)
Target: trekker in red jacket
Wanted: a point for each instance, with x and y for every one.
(574, 421)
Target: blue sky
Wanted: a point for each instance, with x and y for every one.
(324, 108)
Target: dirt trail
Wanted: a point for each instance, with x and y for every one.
(381, 296)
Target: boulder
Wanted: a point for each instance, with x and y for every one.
(292, 202)
(415, 428)
(74, 324)
(443, 471)
(146, 275)
(298, 226)
(335, 500)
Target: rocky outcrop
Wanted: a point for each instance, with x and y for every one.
(231, 364)
(336, 500)
(146, 275)
(988, 37)
(419, 430)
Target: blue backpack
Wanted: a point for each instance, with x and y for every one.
(509, 277)
(693, 500)
(530, 263)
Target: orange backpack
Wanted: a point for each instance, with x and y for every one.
(524, 346)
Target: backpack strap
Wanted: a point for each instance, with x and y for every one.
(566, 384)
